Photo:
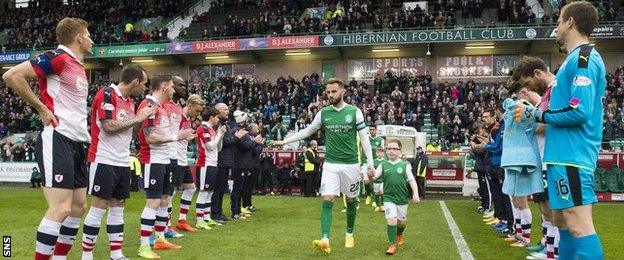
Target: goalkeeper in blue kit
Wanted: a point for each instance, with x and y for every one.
(574, 124)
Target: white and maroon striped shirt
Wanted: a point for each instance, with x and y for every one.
(177, 150)
(63, 88)
(206, 134)
(158, 124)
(111, 149)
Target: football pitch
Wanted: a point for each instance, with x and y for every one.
(284, 227)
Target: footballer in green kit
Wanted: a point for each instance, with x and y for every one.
(376, 142)
(396, 175)
(343, 125)
(378, 183)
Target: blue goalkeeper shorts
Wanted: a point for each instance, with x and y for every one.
(570, 186)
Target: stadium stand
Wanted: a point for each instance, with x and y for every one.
(292, 17)
(33, 26)
(248, 18)
(390, 99)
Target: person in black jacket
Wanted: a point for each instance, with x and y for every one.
(285, 177)
(252, 176)
(267, 166)
(225, 163)
(477, 145)
(242, 153)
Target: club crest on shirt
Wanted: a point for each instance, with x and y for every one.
(58, 178)
(152, 181)
(163, 121)
(96, 188)
(399, 170)
(349, 118)
(121, 115)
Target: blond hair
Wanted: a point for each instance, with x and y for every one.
(195, 100)
(67, 29)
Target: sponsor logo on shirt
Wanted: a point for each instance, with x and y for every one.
(581, 81)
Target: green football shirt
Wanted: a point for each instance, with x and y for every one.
(395, 177)
(341, 133)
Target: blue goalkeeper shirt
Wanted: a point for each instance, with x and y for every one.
(574, 120)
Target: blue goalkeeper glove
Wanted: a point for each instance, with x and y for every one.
(525, 111)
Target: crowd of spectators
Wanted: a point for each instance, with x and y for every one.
(291, 17)
(33, 26)
(288, 104)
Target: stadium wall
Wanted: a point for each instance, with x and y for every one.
(299, 66)
(181, 70)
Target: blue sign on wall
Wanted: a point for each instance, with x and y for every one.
(14, 57)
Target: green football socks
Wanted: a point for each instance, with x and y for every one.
(326, 218)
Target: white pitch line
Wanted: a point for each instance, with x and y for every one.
(462, 246)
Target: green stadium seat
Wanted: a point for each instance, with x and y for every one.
(621, 181)
(612, 179)
(599, 184)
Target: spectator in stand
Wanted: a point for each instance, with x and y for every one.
(6, 151)
(279, 132)
(32, 27)
(610, 132)
(3, 130)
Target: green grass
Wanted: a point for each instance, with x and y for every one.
(285, 226)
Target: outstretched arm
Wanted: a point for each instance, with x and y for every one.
(308, 131)
(363, 133)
